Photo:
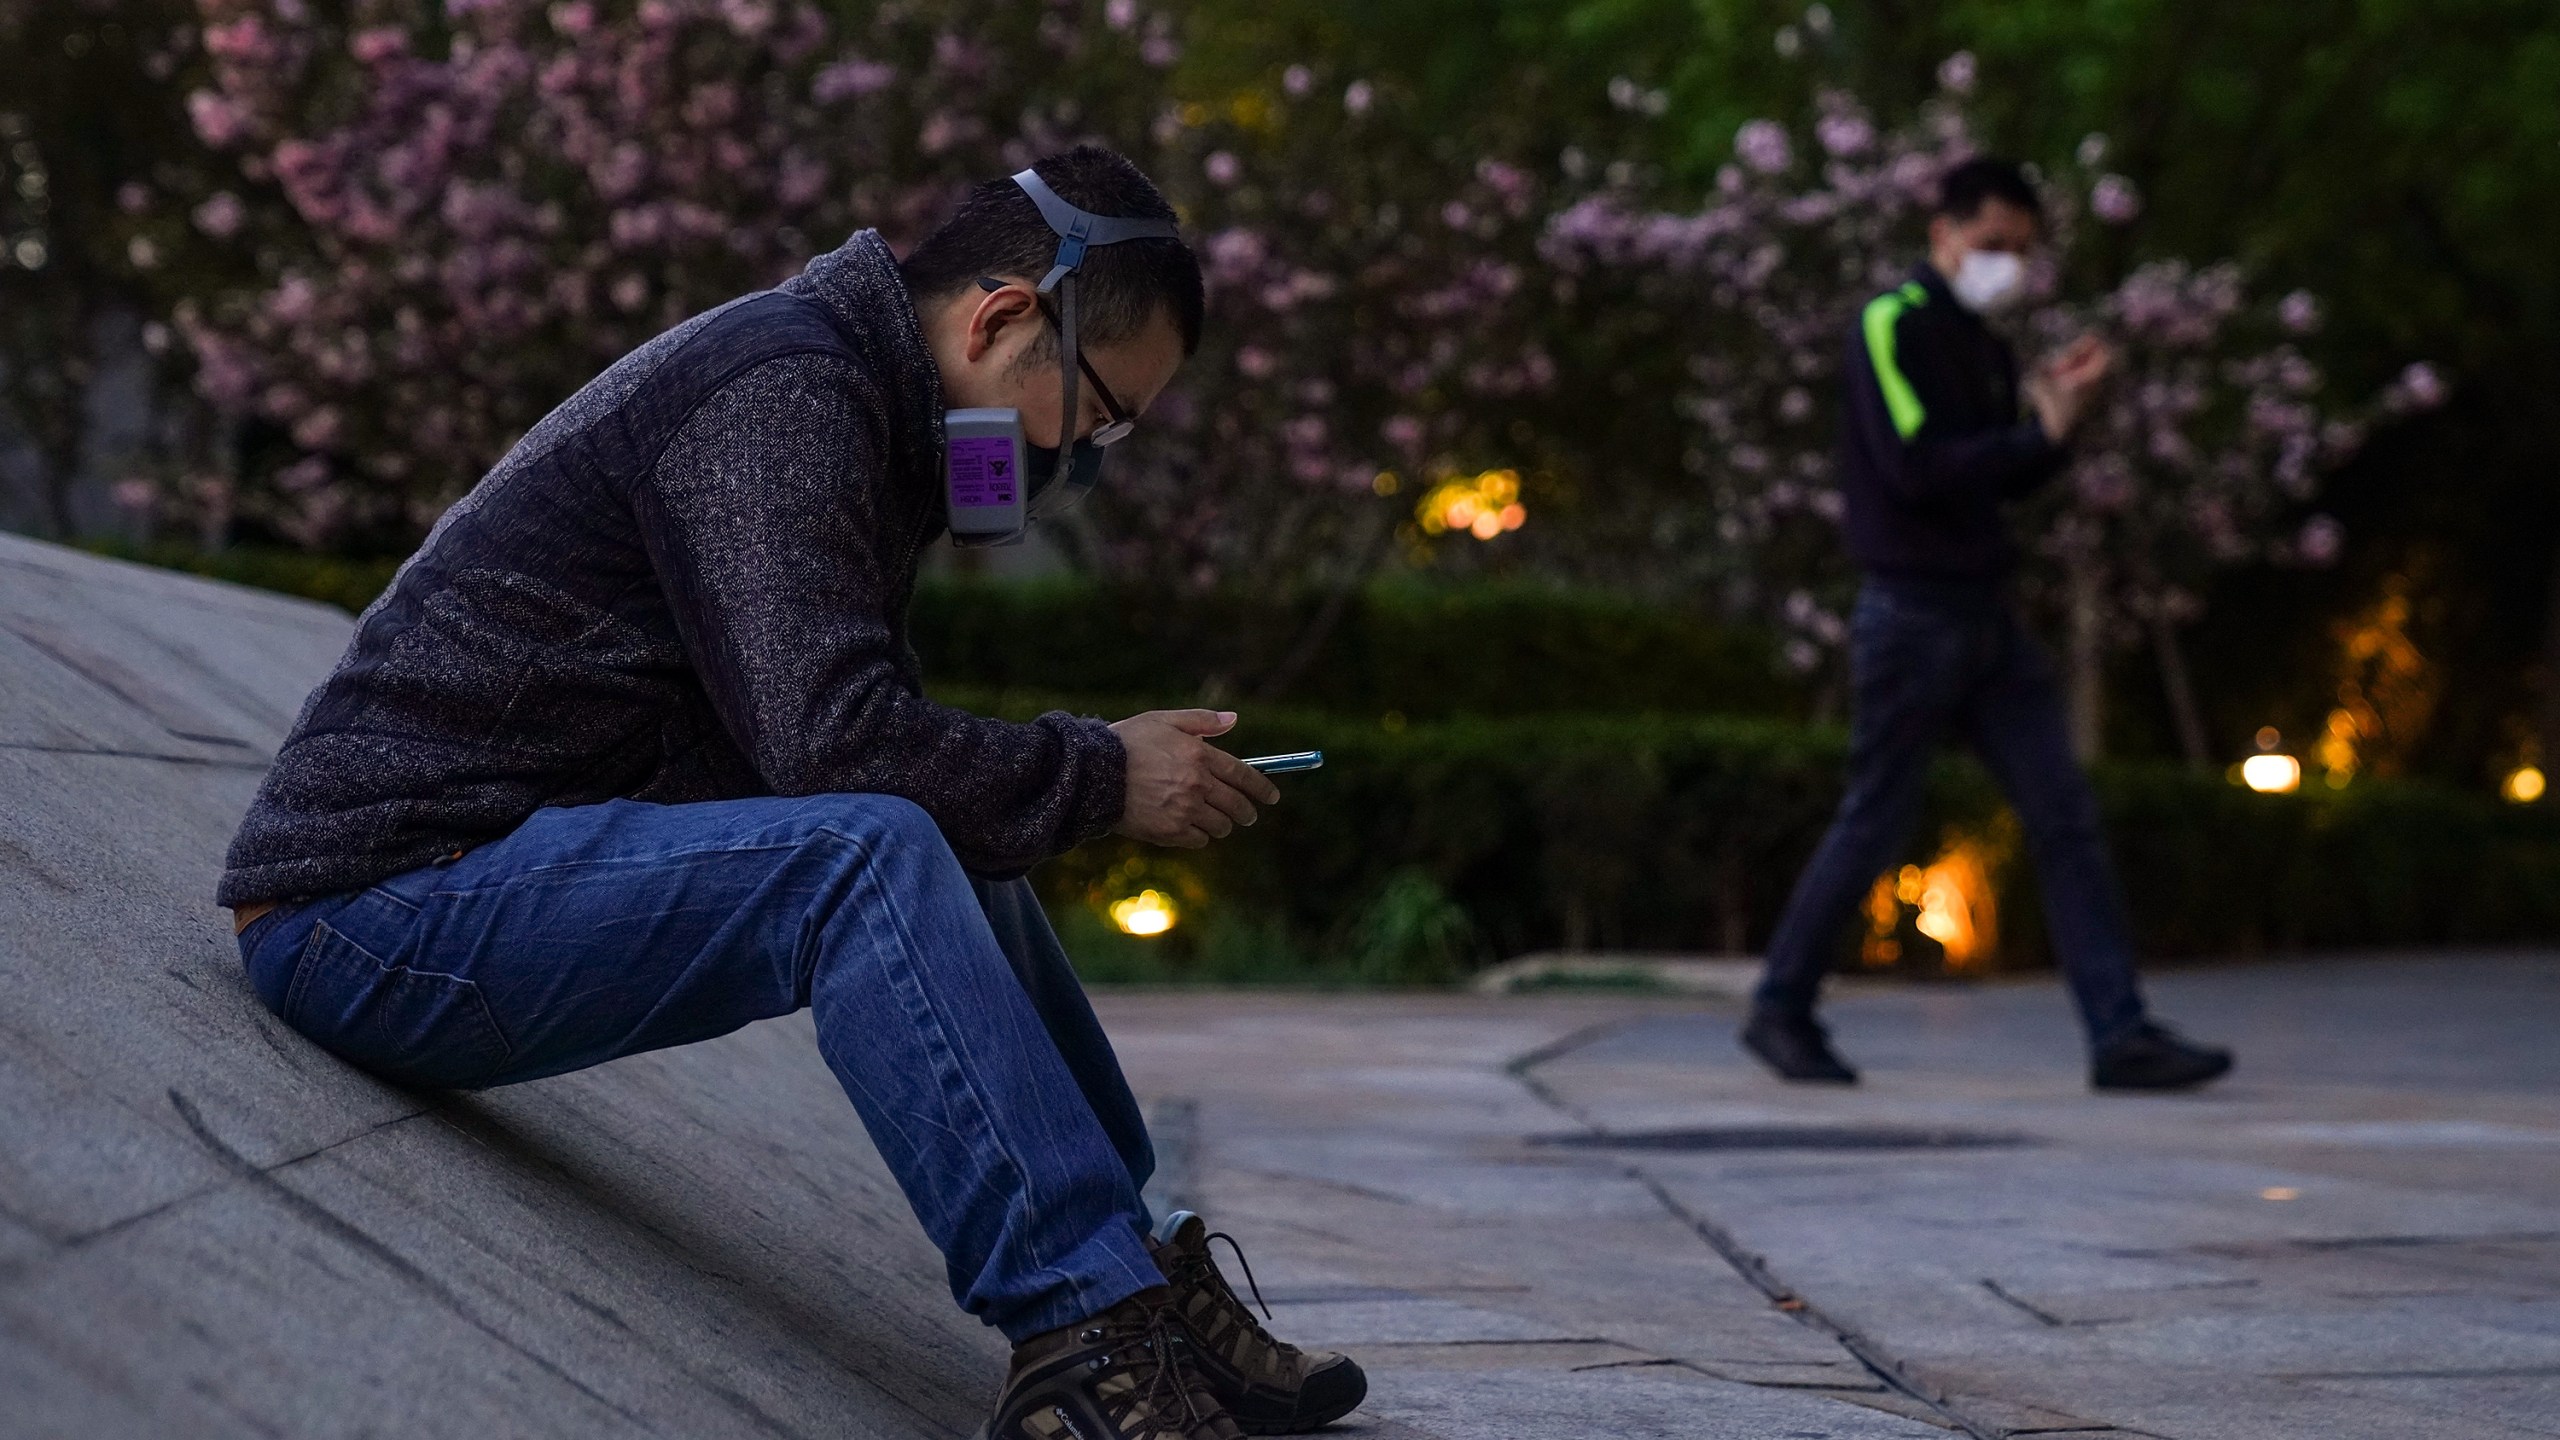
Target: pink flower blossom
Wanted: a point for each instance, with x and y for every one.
(1297, 80)
(1357, 97)
(1120, 14)
(1510, 184)
(2420, 387)
(2114, 199)
(1234, 254)
(244, 41)
(943, 131)
(222, 215)
(1763, 146)
(748, 19)
(2322, 540)
(1254, 362)
(218, 122)
(382, 42)
(2299, 312)
(803, 179)
(1222, 168)
(1956, 73)
(1844, 134)
(305, 475)
(321, 429)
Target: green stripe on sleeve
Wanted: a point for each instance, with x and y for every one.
(1899, 401)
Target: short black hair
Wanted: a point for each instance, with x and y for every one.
(1963, 190)
(998, 231)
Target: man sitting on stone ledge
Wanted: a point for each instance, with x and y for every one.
(634, 752)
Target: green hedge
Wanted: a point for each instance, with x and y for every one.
(348, 584)
(1467, 812)
(1421, 853)
(1425, 652)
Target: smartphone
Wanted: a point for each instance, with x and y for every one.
(1283, 764)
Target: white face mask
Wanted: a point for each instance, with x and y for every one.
(1988, 281)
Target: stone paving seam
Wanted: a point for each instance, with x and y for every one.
(1755, 1270)
(1751, 1267)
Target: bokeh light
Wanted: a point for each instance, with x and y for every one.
(1485, 505)
(1149, 912)
(2271, 774)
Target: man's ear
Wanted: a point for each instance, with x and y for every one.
(996, 312)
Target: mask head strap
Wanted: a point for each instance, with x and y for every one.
(1078, 230)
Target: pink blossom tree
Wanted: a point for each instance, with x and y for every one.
(461, 210)
(2208, 453)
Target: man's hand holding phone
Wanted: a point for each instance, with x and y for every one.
(1184, 791)
(2063, 388)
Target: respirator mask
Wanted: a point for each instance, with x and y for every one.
(1989, 281)
(997, 483)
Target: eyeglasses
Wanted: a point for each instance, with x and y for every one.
(1121, 422)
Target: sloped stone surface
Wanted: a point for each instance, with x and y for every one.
(210, 1228)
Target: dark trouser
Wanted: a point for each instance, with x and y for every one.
(1927, 662)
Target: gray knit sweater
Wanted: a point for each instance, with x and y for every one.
(689, 582)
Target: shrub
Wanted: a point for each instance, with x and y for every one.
(1423, 652)
(348, 584)
(1435, 840)
(1413, 855)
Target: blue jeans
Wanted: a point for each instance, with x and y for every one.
(943, 1004)
(1929, 662)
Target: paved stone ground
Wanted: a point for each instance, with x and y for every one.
(2358, 1235)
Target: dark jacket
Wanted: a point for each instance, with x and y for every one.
(1932, 440)
(689, 582)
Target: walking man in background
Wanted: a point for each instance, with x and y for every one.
(1934, 447)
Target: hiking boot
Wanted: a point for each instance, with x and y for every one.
(1125, 1374)
(1269, 1386)
(1797, 1047)
(2153, 1057)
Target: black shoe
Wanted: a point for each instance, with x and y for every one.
(2154, 1058)
(1797, 1047)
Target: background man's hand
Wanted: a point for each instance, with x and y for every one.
(1182, 789)
(2061, 390)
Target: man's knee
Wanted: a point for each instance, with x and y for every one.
(888, 822)
(883, 833)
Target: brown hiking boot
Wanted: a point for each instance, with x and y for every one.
(1270, 1387)
(1122, 1375)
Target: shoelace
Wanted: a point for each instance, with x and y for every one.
(1242, 1263)
(1163, 1340)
